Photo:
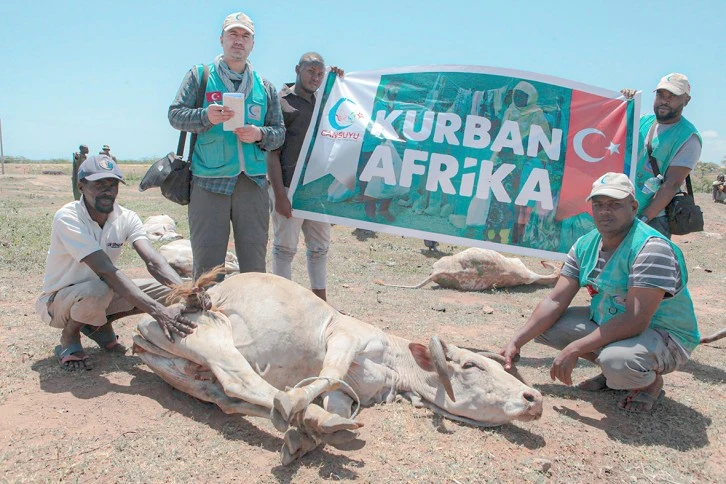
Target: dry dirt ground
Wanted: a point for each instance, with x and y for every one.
(121, 423)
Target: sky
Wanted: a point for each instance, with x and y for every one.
(100, 72)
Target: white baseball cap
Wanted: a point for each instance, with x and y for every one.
(613, 185)
(240, 20)
(675, 83)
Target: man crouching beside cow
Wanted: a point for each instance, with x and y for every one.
(640, 324)
(83, 290)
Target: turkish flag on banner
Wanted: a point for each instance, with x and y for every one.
(595, 146)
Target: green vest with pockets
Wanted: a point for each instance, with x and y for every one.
(664, 147)
(609, 289)
(216, 152)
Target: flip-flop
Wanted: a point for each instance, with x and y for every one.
(646, 399)
(107, 340)
(594, 384)
(69, 354)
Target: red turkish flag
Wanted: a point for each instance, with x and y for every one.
(595, 146)
(214, 96)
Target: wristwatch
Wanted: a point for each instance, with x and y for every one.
(643, 218)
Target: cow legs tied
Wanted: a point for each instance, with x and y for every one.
(341, 350)
(316, 426)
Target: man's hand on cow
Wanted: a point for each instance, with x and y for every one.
(249, 134)
(510, 354)
(219, 114)
(172, 322)
(628, 93)
(563, 365)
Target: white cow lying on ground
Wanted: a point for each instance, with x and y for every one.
(265, 333)
(161, 228)
(179, 256)
(477, 269)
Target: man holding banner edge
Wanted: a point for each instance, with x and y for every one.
(297, 101)
(675, 144)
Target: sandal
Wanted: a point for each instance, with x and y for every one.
(72, 353)
(646, 400)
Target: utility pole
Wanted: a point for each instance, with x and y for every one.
(2, 152)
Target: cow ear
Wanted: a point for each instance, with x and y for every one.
(421, 356)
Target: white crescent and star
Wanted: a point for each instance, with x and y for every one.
(580, 137)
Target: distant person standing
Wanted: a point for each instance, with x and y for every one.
(718, 189)
(106, 150)
(229, 168)
(297, 101)
(78, 158)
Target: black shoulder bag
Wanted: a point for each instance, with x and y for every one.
(172, 173)
(683, 215)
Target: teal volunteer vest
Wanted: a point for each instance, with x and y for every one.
(609, 289)
(664, 147)
(216, 153)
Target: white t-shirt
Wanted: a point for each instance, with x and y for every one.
(76, 235)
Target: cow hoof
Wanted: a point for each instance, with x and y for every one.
(340, 439)
(278, 421)
(325, 422)
(296, 445)
(283, 405)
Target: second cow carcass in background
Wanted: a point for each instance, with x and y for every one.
(161, 228)
(478, 269)
(179, 256)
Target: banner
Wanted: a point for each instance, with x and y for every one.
(473, 156)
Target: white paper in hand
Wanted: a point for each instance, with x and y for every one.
(236, 102)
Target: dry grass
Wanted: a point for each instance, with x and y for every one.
(122, 423)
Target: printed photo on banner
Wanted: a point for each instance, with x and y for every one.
(473, 156)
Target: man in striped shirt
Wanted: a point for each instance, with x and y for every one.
(640, 324)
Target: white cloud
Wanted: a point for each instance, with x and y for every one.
(710, 134)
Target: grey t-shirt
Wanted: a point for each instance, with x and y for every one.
(688, 154)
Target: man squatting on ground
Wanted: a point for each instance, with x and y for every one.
(640, 324)
(297, 101)
(675, 143)
(229, 167)
(83, 290)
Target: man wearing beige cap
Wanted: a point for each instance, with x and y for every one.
(640, 323)
(229, 167)
(674, 144)
(83, 291)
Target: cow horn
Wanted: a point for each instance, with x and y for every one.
(438, 355)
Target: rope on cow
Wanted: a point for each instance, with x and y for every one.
(345, 384)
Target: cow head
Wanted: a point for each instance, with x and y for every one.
(471, 387)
